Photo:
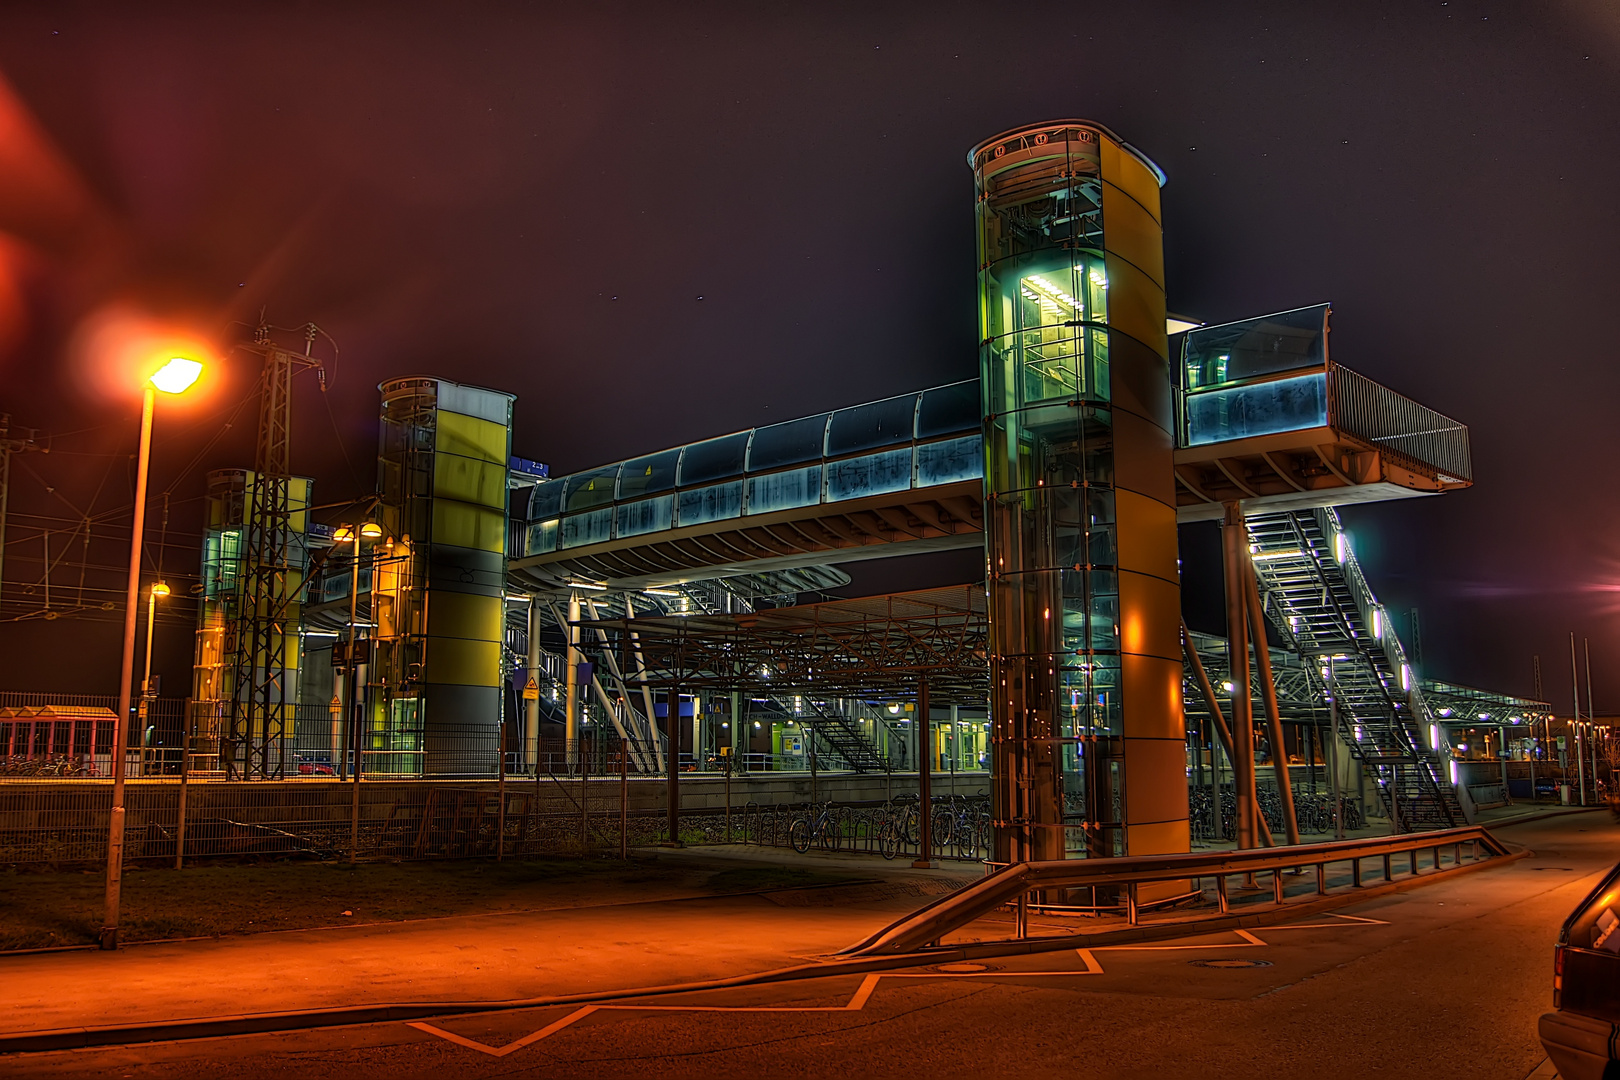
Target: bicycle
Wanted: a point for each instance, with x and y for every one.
(816, 827)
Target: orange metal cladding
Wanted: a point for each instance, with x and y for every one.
(1080, 497)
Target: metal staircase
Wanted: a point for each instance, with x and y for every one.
(1314, 593)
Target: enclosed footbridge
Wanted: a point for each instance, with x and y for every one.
(1265, 420)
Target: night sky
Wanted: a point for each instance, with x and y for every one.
(659, 222)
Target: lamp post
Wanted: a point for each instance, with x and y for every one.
(355, 534)
(158, 589)
(174, 377)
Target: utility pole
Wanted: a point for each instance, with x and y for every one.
(256, 636)
(8, 446)
(1575, 727)
(1536, 660)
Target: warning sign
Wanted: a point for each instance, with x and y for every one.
(531, 690)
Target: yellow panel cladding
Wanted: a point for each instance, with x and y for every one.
(459, 525)
(1147, 535)
(463, 663)
(1130, 232)
(1122, 169)
(465, 615)
(467, 480)
(469, 437)
(1136, 304)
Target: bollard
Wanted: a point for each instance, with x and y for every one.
(1220, 893)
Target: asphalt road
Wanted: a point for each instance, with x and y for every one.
(1438, 982)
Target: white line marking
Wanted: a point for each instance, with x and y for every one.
(868, 986)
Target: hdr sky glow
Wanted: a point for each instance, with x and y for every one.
(659, 222)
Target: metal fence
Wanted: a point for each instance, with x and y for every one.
(1399, 426)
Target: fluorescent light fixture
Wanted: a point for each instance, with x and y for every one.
(1378, 623)
(1434, 736)
(1406, 677)
(660, 592)
(1341, 546)
(585, 585)
(1453, 764)
(1292, 553)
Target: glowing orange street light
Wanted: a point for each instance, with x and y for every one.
(174, 377)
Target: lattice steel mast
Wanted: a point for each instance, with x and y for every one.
(254, 744)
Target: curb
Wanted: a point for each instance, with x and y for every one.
(213, 1027)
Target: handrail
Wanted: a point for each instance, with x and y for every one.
(1009, 884)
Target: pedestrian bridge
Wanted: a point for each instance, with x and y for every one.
(1263, 418)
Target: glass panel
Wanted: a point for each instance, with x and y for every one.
(792, 443)
(713, 459)
(711, 503)
(1259, 409)
(866, 427)
(647, 475)
(952, 460)
(646, 515)
(1231, 352)
(545, 500)
(542, 537)
(949, 410)
(870, 475)
(784, 490)
(591, 527)
(587, 489)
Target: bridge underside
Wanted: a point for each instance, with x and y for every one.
(941, 518)
(1296, 470)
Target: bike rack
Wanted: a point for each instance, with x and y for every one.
(1014, 884)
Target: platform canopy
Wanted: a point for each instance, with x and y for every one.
(874, 648)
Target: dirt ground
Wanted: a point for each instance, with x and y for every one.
(64, 907)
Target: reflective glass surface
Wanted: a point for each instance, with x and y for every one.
(874, 474)
(647, 475)
(646, 515)
(715, 503)
(1233, 352)
(591, 527)
(1257, 409)
(713, 459)
(951, 460)
(792, 443)
(949, 410)
(590, 489)
(784, 490)
(869, 426)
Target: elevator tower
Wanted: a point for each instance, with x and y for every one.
(1080, 518)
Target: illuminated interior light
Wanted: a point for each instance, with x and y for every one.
(1434, 736)
(1228, 687)
(1293, 553)
(1341, 546)
(1453, 764)
(1378, 623)
(1406, 677)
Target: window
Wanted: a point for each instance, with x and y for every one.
(648, 475)
(784, 490)
(949, 461)
(591, 527)
(792, 443)
(714, 459)
(646, 515)
(715, 503)
(867, 427)
(590, 489)
(873, 474)
(949, 410)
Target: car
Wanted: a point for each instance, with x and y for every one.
(1582, 1034)
(315, 768)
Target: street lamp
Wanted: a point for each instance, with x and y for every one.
(355, 534)
(174, 377)
(158, 589)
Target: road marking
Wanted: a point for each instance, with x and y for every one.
(533, 1036)
(869, 984)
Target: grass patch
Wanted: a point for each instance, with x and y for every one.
(52, 908)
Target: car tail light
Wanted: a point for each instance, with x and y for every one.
(1558, 974)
